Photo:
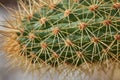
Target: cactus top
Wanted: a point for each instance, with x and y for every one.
(69, 32)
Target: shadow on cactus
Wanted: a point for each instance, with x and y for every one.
(72, 33)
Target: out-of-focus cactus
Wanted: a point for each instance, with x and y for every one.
(64, 32)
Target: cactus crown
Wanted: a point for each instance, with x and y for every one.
(71, 32)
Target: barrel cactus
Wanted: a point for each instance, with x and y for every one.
(57, 33)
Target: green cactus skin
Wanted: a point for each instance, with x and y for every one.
(71, 32)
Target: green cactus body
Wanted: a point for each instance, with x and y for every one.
(71, 32)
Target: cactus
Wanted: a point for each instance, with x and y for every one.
(64, 32)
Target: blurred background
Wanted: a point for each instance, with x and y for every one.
(9, 2)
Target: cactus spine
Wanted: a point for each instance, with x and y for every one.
(70, 32)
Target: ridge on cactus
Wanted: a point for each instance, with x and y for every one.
(73, 33)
